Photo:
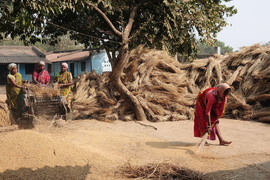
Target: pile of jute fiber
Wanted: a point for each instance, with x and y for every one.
(4, 115)
(167, 89)
(40, 91)
(152, 76)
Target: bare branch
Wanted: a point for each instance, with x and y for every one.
(106, 32)
(116, 32)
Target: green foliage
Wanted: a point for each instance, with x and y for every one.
(160, 24)
(205, 49)
(65, 43)
(266, 44)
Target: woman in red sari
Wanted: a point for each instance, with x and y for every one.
(40, 75)
(210, 106)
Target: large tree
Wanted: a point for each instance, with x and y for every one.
(117, 26)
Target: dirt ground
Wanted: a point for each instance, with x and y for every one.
(96, 150)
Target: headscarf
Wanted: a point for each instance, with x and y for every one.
(11, 66)
(41, 63)
(221, 88)
(65, 64)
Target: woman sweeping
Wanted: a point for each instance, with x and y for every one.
(210, 106)
(65, 83)
(40, 75)
(14, 90)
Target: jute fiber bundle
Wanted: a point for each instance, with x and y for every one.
(4, 115)
(167, 89)
(154, 77)
(42, 91)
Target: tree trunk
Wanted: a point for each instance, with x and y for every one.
(121, 88)
(121, 60)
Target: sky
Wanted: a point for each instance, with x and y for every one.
(250, 25)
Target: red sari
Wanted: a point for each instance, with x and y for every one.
(42, 77)
(200, 120)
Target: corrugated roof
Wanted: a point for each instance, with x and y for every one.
(68, 56)
(21, 54)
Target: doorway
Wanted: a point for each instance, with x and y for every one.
(72, 69)
(3, 74)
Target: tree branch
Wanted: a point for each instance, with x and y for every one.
(150, 41)
(107, 32)
(132, 17)
(116, 32)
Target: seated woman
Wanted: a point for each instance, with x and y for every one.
(14, 90)
(65, 83)
(40, 75)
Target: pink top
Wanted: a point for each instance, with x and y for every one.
(42, 77)
(211, 99)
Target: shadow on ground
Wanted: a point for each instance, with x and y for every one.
(55, 173)
(169, 145)
(173, 145)
(254, 171)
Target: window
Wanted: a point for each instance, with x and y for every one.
(29, 68)
(83, 66)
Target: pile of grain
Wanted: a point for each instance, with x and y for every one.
(26, 154)
(167, 89)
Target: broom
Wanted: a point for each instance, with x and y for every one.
(200, 145)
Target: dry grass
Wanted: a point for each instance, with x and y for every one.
(159, 171)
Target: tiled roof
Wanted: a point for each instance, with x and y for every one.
(68, 56)
(21, 54)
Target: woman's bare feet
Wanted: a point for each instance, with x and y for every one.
(225, 142)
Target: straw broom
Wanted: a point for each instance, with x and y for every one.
(200, 145)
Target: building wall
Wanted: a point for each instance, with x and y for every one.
(56, 67)
(99, 60)
(21, 70)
